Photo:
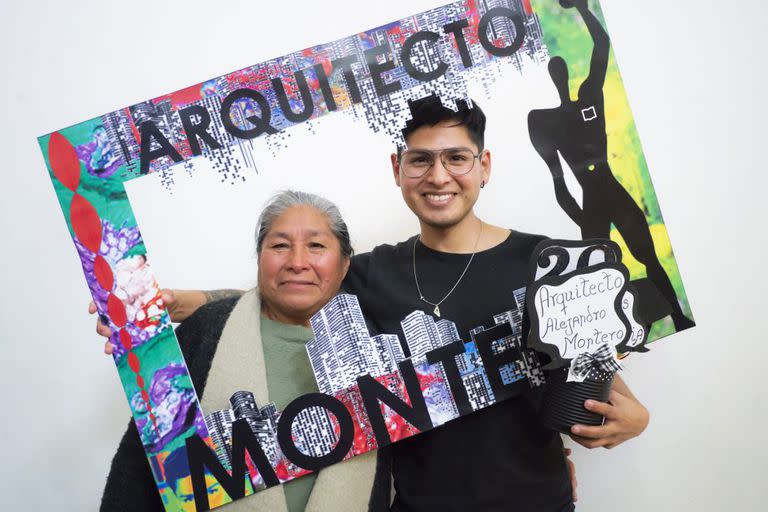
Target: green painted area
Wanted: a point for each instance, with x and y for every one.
(108, 195)
(155, 355)
(566, 35)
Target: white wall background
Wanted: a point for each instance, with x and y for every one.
(694, 77)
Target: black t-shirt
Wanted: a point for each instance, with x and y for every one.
(499, 458)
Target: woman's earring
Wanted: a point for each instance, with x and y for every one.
(482, 184)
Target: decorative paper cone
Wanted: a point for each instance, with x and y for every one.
(564, 401)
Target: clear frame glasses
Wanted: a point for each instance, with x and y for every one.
(415, 163)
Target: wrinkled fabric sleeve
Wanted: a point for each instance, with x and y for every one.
(130, 485)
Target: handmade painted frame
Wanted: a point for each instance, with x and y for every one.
(372, 74)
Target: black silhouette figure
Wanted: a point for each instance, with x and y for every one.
(576, 129)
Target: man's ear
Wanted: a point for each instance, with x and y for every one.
(395, 167)
(485, 165)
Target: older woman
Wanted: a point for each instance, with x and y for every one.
(304, 253)
(256, 343)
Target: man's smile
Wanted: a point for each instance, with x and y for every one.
(438, 199)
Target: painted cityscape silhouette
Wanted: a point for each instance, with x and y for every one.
(343, 350)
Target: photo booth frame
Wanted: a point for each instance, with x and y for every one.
(371, 76)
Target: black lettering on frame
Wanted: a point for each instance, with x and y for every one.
(332, 405)
(493, 362)
(482, 31)
(424, 76)
(376, 68)
(201, 457)
(148, 130)
(200, 129)
(345, 64)
(373, 392)
(325, 87)
(447, 356)
(306, 98)
(260, 124)
(457, 29)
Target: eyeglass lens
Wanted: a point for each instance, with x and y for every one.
(457, 161)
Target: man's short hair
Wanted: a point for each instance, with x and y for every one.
(429, 111)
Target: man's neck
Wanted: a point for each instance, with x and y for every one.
(462, 238)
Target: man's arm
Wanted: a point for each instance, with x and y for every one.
(214, 295)
(625, 418)
(181, 304)
(600, 52)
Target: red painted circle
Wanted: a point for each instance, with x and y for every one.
(125, 340)
(63, 161)
(116, 311)
(133, 362)
(85, 222)
(103, 273)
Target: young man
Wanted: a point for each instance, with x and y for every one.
(464, 270)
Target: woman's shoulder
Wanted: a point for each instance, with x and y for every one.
(204, 326)
(212, 312)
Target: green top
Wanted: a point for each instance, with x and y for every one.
(289, 375)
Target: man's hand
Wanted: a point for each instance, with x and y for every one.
(179, 303)
(182, 303)
(625, 418)
(571, 473)
(102, 329)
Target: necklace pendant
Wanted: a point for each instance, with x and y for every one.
(437, 310)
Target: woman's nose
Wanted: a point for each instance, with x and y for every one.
(298, 259)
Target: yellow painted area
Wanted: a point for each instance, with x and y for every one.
(636, 269)
(343, 101)
(661, 243)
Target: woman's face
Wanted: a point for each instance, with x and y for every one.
(300, 266)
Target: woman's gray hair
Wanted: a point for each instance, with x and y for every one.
(281, 201)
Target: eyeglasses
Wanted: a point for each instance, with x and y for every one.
(415, 163)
